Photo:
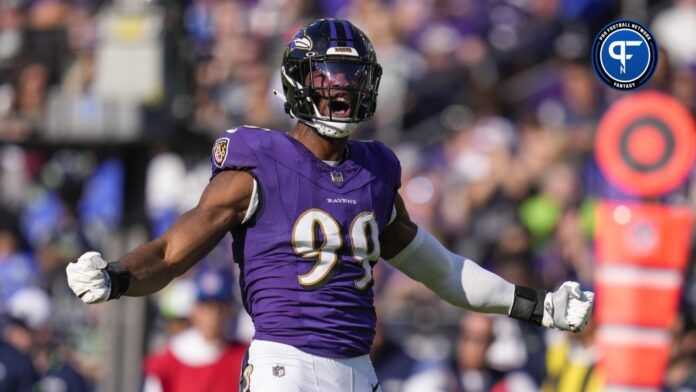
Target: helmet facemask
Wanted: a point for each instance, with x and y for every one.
(333, 94)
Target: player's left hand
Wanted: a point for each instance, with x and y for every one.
(568, 308)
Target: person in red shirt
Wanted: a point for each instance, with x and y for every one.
(200, 358)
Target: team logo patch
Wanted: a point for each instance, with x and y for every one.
(624, 54)
(302, 43)
(220, 151)
(278, 371)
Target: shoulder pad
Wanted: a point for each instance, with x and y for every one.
(377, 153)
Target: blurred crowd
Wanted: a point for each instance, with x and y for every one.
(107, 114)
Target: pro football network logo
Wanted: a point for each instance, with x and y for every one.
(624, 54)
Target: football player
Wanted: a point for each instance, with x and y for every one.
(310, 213)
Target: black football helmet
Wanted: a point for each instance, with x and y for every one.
(330, 77)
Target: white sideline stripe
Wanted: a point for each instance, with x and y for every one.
(628, 388)
(626, 275)
(630, 335)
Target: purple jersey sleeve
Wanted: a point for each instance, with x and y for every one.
(233, 150)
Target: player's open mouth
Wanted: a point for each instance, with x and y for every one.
(340, 107)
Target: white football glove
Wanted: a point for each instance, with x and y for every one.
(568, 308)
(88, 278)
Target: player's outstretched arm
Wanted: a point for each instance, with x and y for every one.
(153, 265)
(464, 283)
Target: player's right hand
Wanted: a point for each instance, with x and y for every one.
(569, 308)
(88, 278)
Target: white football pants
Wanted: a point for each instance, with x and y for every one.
(274, 367)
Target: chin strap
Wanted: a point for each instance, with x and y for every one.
(326, 128)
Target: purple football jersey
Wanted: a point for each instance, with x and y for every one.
(306, 256)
